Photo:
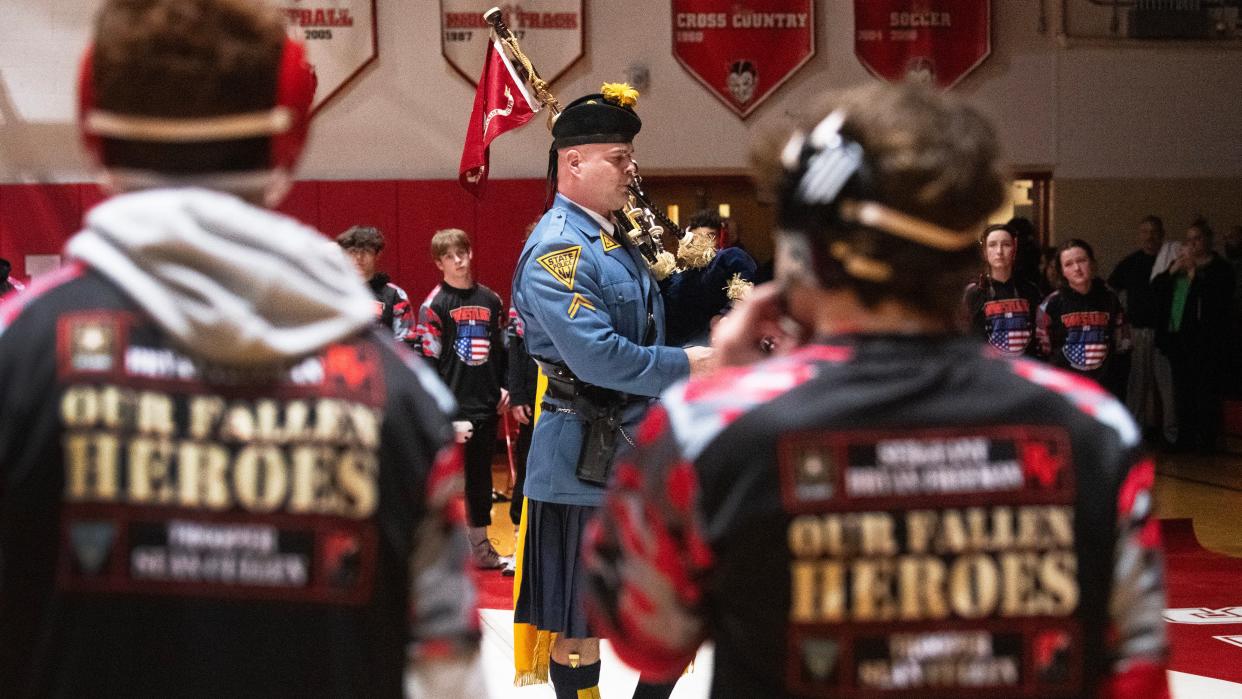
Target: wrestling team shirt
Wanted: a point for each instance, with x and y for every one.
(1003, 313)
(1081, 332)
(172, 529)
(462, 333)
(886, 517)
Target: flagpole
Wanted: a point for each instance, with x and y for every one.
(495, 18)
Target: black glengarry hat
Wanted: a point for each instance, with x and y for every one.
(604, 117)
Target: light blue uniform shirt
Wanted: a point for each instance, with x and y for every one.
(584, 299)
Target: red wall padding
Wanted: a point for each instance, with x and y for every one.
(38, 219)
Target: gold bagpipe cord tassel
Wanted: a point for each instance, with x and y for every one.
(542, 91)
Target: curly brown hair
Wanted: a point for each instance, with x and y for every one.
(362, 238)
(927, 155)
(186, 58)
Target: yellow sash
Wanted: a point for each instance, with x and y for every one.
(532, 648)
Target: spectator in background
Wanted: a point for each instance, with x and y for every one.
(1233, 255)
(1081, 325)
(461, 326)
(999, 306)
(8, 283)
(1149, 387)
(1049, 271)
(364, 244)
(1026, 265)
(1196, 297)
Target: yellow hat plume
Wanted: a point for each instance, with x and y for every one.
(620, 94)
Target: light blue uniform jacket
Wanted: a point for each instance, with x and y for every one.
(584, 298)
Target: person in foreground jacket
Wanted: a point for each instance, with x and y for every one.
(889, 509)
(219, 478)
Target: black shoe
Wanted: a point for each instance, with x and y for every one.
(498, 496)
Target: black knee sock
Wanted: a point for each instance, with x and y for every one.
(567, 681)
(647, 689)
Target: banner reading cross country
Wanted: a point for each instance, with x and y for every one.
(743, 50)
(550, 32)
(339, 37)
(936, 41)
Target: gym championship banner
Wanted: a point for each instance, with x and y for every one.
(340, 39)
(931, 41)
(550, 32)
(743, 50)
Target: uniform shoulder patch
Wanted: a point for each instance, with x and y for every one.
(609, 243)
(562, 264)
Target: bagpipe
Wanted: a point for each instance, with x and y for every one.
(647, 228)
(646, 224)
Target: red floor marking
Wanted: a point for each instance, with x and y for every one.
(495, 590)
(1205, 599)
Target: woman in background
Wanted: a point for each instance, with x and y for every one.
(999, 306)
(1081, 325)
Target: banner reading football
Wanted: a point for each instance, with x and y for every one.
(339, 37)
(550, 32)
(928, 41)
(743, 50)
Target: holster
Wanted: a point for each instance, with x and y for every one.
(600, 408)
(599, 444)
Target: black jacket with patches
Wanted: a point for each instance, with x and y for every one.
(172, 529)
(886, 517)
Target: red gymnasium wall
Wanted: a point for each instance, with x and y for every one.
(39, 218)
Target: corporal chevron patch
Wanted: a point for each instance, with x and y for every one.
(578, 303)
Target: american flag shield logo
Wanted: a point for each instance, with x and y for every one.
(473, 343)
(1086, 340)
(1009, 325)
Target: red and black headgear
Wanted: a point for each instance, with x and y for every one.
(285, 123)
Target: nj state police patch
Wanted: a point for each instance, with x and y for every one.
(562, 264)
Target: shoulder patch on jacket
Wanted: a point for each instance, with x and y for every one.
(609, 243)
(562, 264)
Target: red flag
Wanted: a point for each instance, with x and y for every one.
(501, 104)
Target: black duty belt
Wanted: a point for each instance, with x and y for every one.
(564, 385)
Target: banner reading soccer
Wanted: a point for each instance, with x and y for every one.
(933, 41)
(548, 29)
(743, 51)
(339, 37)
